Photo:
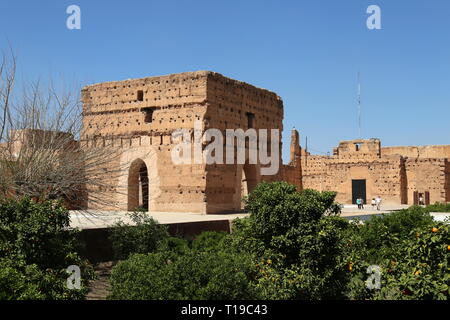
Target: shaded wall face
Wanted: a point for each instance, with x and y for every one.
(228, 184)
(292, 175)
(236, 105)
(447, 179)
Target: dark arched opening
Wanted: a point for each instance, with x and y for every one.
(138, 186)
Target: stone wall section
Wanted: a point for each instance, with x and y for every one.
(136, 118)
(393, 173)
(427, 175)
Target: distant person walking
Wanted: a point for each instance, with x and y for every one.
(421, 201)
(378, 202)
(362, 203)
(374, 203)
(358, 202)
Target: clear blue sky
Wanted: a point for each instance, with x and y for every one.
(307, 51)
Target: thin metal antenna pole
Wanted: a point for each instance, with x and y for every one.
(359, 105)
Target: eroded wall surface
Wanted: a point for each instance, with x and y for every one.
(447, 180)
(421, 152)
(427, 175)
(393, 173)
(135, 119)
(234, 104)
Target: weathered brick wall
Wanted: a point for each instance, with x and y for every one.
(314, 171)
(313, 164)
(137, 117)
(421, 152)
(447, 180)
(359, 149)
(427, 175)
(230, 104)
(394, 173)
(383, 178)
(292, 172)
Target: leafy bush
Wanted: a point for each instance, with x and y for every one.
(412, 251)
(418, 268)
(36, 247)
(208, 241)
(294, 246)
(20, 281)
(299, 247)
(276, 208)
(174, 245)
(382, 234)
(315, 267)
(36, 233)
(437, 207)
(194, 275)
(146, 236)
(16, 284)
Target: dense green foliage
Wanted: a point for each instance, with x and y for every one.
(208, 241)
(437, 207)
(381, 234)
(412, 251)
(36, 247)
(173, 245)
(420, 269)
(144, 237)
(294, 245)
(297, 241)
(193, 275)
(179, 271)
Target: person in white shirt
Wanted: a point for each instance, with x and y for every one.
(378, 202)
(421, 200)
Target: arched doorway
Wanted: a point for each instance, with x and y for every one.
(138, 186)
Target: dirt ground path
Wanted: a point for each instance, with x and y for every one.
(99, 288)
